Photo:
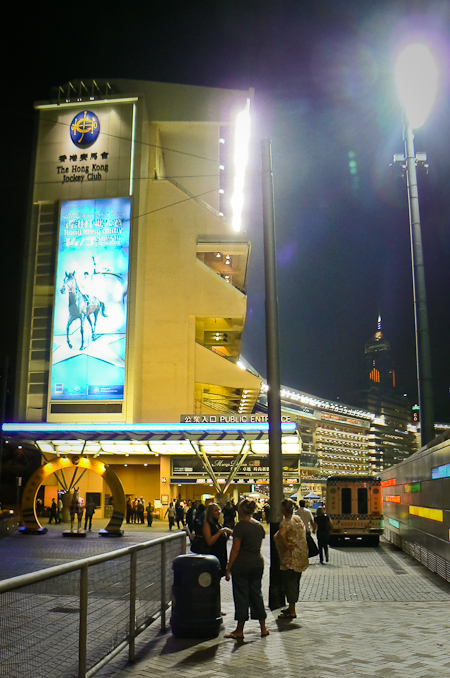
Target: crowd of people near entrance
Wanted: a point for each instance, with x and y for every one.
(210, 527)
(137, 510)
(77, 508)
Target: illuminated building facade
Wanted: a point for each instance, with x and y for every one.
(134, 301)
(335, 437)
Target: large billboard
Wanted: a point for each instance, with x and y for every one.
(90, 310)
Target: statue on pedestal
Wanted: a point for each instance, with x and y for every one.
(76, 509)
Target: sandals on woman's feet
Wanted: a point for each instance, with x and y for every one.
(234, 635)
(285, 615)
(266, 633)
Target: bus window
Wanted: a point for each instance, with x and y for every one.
(346, 498)
(362, 500)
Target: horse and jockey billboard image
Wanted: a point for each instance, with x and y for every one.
(90, 311)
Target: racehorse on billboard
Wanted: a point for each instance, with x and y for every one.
(92, 282)
(81, 306)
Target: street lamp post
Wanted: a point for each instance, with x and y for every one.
(276, 596)
(416, 81)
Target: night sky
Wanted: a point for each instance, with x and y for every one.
(325, 96)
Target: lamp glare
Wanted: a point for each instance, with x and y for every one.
(416, 77)
(240, 163)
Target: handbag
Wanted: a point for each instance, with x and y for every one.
(198, 545)
(312, 546)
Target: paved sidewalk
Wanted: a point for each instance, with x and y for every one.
(20, 554)
(369, 612)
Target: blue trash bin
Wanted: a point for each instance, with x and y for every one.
(196, 597)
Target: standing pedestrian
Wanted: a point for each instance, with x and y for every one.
(228, 515)
(199, 520)
(129, 510)
(246, 566)
(60, 508)
(292, 548)
(324, 527)
(215, 536)
(307, 517)
(150, 510)
(140, 511)
(90, 510)
(171, 514)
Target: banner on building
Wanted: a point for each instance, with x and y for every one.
(254, 466)
(90, 309)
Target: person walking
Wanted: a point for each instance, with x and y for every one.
(90, 510)
(267, 512)
(307, 517)
(53, 512)
(179, 514)
(292, 548)
(216, 537)
(171, 514)
(246, 567)
(190, 516)
(150, 511)
(60, 509)
(324, 526)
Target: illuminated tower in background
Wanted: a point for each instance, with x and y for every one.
(390, 439)
(379, 364)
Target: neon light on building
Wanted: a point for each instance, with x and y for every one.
(429, 513)
(440, 472)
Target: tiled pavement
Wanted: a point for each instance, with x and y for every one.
(369, 612)
(20, 554)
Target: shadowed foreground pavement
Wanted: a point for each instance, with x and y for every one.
(369, 612)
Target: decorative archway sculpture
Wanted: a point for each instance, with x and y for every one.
(32, 524)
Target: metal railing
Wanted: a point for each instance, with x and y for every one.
(72, 619)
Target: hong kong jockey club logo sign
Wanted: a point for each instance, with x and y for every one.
(84, 129)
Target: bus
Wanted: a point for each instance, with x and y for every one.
(354, 504)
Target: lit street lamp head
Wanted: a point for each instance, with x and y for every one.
(416, 77)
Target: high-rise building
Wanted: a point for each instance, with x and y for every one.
(391, 438)
(379, 366)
